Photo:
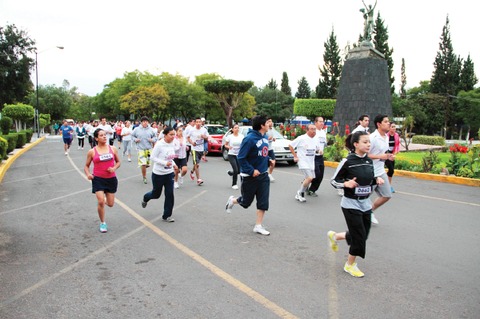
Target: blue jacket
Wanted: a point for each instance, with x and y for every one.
(253, 154)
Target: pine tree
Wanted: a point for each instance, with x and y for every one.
(284, 87)
(303, 91)
(380, 42)
(468, 78)
(272, 84)
(331, 70)
(403, 92)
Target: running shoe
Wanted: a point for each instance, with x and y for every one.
(192, 177)
(129, 160)
(391, 189)
(230, 173)
(199, 182)
(235, 187)
(180, 180)
(229, 205)
(259, 229)
(374, 220)
(313, 194)
(168, 220)
(175, 185)
(332, 240)
(353, 270)
(144, 204)
(272, 179)
(144, 180)
(103, 227)
(66, 153)
(299, 197)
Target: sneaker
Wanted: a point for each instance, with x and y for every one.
(175, 185)
(192, 177)
(313, 194)
(229, 205)
(374, 220)
(391, 189)
(259, 229)
(230, 173)
(199, 181)
(129, 160)
(66, 153)
(144, 180)
(299, 197)
(78, 148)
(353, 270)
(103, 227)
(144, 204)
(332, 240)
(340, 192)
(235, 187)
(168, 220)
(180, 180)
(272, 179)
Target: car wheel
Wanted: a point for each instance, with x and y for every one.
(225, 153)
(291, 163)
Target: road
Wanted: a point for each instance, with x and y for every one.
(54, 263)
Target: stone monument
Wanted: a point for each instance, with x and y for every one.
(364, 84)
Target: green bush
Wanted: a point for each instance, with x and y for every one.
(406, 165)
(3, 148)
(5, 124)
(314, 107)
(29, 135)
(11, 140)
(428, 140)
(465, 172)
(21, 140)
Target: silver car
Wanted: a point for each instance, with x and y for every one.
(280, 145)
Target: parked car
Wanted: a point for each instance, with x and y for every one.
(216, 132)
(280, 145)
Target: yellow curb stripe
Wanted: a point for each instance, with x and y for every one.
(4, 166)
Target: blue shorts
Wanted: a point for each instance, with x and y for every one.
(258, 187)
(67, 140)
(107, 185)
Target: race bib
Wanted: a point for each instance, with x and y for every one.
(363, 190)
(199, 142)
(105, 157)
(310, 152)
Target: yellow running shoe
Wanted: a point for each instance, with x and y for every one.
(353, 270)
(332, 241)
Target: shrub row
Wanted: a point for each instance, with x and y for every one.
(12, 141)
(428, 140)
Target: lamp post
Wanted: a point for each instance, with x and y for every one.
(36, 116)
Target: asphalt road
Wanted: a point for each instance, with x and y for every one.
(54, 263)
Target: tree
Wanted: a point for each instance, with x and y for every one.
(52, 100)
(229, 94)
(272, 84)
(284, 86)
(380, 42)
(273, 103)
(15, 65)
(468, 78)
(146, 100)
(469, 109)
(20, 113)
(303, 91)
(403, 92)
(331, 70)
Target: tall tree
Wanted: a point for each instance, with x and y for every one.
(15, 65)
(403, 92)
(146, 100)
(272, 84)
(380, 42)
(331, 70)
(303, 91)
(284, 86)
(468, 79)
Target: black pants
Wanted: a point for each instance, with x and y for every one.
(319, 171)
(81, 142)
(391, 167)
(358, 224)
(235, 168)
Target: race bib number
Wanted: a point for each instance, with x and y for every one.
(363, 190)
(105, 157)
(199, 142)
(310, 152)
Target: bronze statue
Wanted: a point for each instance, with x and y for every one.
(368, 24)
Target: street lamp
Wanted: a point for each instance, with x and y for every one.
(36, 116)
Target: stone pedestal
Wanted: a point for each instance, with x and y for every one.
(364, 88)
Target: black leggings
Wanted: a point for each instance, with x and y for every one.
(391, 167)
(235, 168)
(81, 142)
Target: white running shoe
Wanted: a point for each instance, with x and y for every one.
(175, 185)
(235, 187)
(229, 205)
(272, 179)
(374, 220)
(180, 180)
(259, 229)
(299, 197)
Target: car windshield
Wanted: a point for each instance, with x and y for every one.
(216, 130)
(244, 130)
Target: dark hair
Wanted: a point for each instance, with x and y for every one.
(352, 139)
(379, 118)
(167, 130)
(97, 131)
(144, 118)
(318, 117)
(258, 121)
(362, 117)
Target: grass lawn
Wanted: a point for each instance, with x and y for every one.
(417, 156)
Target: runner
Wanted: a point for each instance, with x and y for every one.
(196, 137)
(107, 128)
(126, 135)
(144, 138)
(181, 156)
(232, 144)
(104, 181)
(321, 136)
(253, 159)
(393, 148)
(162, 173)
(355, 174)
(81, 132)
(67, 135)
(307, 146)
(271, 153)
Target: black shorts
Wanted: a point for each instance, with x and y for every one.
(107, 185)
(181, 162)
(271, 154)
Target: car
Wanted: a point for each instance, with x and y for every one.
(216, 133)
(280, 145)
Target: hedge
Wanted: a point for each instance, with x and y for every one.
(428, 140)
(3, 148)
(22, 139)
(314, 107)
(29, 135)
(11, 140)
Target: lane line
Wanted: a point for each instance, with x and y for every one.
(39, 176)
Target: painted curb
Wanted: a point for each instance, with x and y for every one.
(4, 165)
(429, 177)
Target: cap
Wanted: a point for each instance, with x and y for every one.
(203, 119)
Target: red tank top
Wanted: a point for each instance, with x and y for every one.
(101, 162)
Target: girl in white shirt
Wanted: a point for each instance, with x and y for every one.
(180, 143)
(232, 143)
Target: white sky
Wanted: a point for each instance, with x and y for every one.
(242, 40)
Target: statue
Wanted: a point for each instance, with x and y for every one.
(368, 24)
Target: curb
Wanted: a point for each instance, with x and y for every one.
(4, 165)
(429, 177)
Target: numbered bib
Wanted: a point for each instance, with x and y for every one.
(363, 190)
(105, 157)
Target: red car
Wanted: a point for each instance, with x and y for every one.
(216, 132)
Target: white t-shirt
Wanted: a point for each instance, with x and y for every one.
(196, 136)
(306, 148)
(127, 133)
(162, 154)
(270, 137)
(108, 130)
(378, 145)
(360, 128)
(321, 136)
(234, 142)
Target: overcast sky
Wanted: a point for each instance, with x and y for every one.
(242, 40)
